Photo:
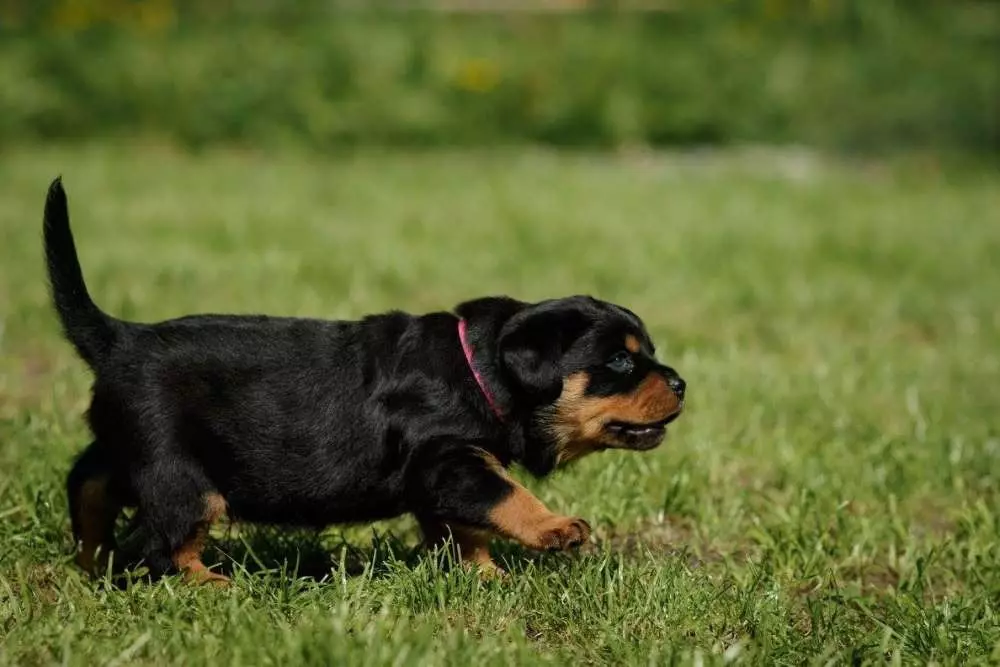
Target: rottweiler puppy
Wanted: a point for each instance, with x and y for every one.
(310, 422)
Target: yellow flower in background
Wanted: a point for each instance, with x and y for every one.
(154, 15)
(821, 7)
(776, 9)
(478, 76)
(73, 14)
(143, 15)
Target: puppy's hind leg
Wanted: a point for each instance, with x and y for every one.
(94, 507)
(469, 546)
(177, 506)
(187, 558)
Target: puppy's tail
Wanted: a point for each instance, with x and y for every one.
(91, 331)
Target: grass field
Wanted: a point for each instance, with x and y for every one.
(831, 494)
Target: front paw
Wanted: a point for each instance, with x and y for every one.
(561, 533)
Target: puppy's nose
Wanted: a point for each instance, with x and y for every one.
(677, 385)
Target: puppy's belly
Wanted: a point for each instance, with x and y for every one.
(309, 467)
(314, 497)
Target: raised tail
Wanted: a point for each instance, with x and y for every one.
(91, 331)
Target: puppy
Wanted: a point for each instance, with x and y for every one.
(310, 422)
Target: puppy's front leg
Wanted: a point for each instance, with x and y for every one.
(469, 488)
(523, 517)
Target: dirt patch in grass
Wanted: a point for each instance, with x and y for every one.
(871, 578)
(37, 581)
(668, 536)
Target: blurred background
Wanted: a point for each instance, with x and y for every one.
(851, 75)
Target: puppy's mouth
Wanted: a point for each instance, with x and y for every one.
(640, 436)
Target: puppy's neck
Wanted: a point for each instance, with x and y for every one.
(528, 444)
(484, 319)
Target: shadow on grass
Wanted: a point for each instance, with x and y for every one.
(308, 554)
(268, 550)
(316, 555)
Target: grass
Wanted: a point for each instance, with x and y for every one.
(830, 495)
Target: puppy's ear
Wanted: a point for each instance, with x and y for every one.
(490, 309)
(532, 343)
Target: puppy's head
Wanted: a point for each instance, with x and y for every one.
(589, 370)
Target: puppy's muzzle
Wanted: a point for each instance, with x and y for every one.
(643, 436)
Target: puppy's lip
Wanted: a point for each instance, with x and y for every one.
(640, 437)
(616, 426)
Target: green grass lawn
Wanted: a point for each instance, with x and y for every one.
(831, 493)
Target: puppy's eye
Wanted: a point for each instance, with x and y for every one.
(621, 363)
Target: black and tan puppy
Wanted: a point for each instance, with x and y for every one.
(310, 422)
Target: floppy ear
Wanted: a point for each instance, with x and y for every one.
(490, 309)
(532, 343)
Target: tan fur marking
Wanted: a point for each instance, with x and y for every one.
(98, 511)
(474, 547)
(519, 514)
(577, 421)
(492, 461)
(187, 558)
(471, 546)
(519, 509)
(632, 344)
(523, 517)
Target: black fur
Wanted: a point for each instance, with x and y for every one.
(310, 422)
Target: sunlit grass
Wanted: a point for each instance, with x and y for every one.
(831, 492)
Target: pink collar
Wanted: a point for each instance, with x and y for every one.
(463, 336)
